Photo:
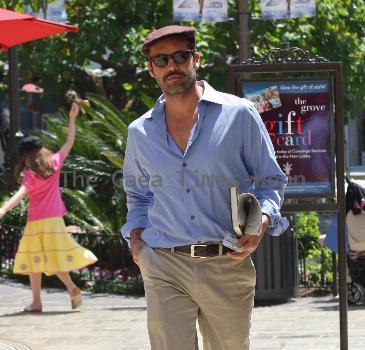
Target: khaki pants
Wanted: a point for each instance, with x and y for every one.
(217, 291)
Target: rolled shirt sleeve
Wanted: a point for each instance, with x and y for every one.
(269, 180)
(135, 184)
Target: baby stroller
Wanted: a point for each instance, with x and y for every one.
(355, 222)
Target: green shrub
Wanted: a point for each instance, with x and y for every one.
(133, 287)
(318, 259)
(112, 287)
(16, 216)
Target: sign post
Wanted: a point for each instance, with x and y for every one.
(295, 94)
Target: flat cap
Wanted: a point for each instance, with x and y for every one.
(174, 30)
(29, 144)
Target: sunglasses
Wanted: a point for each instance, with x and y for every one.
(179, 57)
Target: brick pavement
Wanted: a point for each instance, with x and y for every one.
(111, 322)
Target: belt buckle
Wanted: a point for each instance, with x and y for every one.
(192, 250)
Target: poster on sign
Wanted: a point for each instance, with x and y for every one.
(200, 10)
(299, 119)
(276, 9)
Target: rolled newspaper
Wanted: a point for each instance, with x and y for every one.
(246, 213)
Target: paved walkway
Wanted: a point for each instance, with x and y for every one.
(110, 322)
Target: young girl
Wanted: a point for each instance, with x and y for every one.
(45, 245)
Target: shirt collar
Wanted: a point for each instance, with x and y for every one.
(209, 94)
(158, 108)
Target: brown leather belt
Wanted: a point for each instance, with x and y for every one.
(201, 250)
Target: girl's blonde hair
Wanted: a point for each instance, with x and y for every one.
(38, 161)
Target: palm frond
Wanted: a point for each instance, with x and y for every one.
(91, 208)
(98, 152)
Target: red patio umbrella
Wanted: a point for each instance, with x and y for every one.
(17, 28)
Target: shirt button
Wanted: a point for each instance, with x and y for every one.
(184, 164)
(192, 217)
(188, 190)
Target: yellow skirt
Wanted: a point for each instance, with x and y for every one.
(47, 247)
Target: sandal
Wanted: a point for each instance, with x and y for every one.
(76, 299)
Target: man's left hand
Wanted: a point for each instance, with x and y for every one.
(249, 243)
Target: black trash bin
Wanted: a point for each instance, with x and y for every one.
(276, 263)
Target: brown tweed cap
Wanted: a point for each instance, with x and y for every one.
(174, 30)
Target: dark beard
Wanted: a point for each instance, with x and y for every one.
(183, 86)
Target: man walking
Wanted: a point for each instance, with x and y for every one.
(182, 157)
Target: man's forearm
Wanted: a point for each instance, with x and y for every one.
(136, 243)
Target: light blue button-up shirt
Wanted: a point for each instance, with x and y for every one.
(183, 198)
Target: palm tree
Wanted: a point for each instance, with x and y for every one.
(92, 176)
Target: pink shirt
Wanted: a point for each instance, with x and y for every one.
(44, 193)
